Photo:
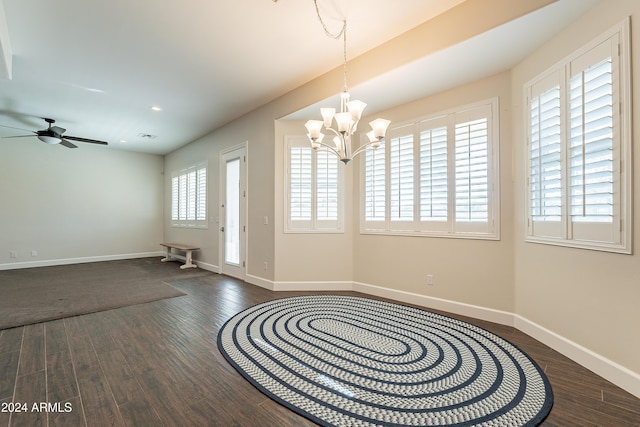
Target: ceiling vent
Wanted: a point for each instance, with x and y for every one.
(147, 136)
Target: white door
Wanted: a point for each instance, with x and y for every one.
(233, 194)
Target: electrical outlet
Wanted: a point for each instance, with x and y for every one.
(429, 279)
(34, 253)
(266, 265)
(13, 254)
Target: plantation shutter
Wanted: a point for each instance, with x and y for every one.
(313, 188)
(375, 187)
(581, 196)
(401, 178)
(175, 187)
(433, 174)
(182, 194)
(300, 177)
(189, 197)
(592, 190)
(472, 163)
(327, 194)
(201, 204)
(545, 158)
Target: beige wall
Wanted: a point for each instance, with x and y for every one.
(309, 257)
(588, 297)
(476, 272)
(256, 131)
(85, 204)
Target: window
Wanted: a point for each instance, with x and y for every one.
(313, 188)
(579, 154)
(436, 177)
(189, 197)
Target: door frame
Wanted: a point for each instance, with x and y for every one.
(241, 271)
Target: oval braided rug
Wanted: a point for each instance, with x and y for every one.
(351, 361)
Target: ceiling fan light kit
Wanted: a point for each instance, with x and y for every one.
(49, 139)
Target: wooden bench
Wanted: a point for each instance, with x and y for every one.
(179, 246)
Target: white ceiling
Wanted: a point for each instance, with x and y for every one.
(97, 67)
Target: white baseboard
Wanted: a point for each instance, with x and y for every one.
(463, 309)
(313, 286)
(607, 369)
(259, 281)
(298, 286)
(66, 261)
(205, 266)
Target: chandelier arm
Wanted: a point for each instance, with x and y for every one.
(342, 141)
(333, 130)
(327, 146)
(362, 148)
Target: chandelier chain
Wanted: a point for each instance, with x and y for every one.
(348, 117)
(336, 36)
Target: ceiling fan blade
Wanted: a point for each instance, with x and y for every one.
(92, 141)
(67, 144)
(13, 127)
(58, 130)
(17, 136)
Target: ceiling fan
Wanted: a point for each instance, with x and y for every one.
(53, 135)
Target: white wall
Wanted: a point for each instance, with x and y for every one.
(588, 297)
(84, 204)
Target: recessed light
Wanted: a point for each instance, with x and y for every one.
(156, 108)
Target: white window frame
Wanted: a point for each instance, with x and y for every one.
(314, 223)
(189, 197)
(559, 228)
(429, 227)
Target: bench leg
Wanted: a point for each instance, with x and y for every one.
(188, 264)
(167, 256)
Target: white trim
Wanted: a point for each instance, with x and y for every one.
(606, 368)
(206, 266)
(475, 311)
(451, 228)
(66, 261)
(313, 286)
(244, 253)
(260, 282)
(313, 225)
(621, 226)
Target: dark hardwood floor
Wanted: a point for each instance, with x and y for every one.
(157, 364)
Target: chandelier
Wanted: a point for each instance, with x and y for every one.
(346, 121)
